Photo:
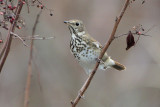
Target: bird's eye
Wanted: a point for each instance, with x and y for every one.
(77, 24)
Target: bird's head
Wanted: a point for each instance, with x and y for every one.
(75, 25)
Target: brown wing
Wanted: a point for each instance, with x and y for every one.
(96, 45)
(92, 42)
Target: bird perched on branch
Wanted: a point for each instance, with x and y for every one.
(87, 50)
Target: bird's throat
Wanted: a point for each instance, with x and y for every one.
(76, 32)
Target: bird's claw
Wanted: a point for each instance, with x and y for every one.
(99, 60)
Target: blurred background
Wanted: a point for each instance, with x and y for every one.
(57, 77)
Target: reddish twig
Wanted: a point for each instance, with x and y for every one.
(88, 81)
(28, 83)
(6, 47)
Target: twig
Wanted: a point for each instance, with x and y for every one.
(28, 83)
(41, 38)
(143, 34)
(35, 37)
(27, 6)
(19, 38)
(44, 5)
(6, 46)
(29, 38)
(137, 40)
(88, 81)
(38, 73)
(150, 29)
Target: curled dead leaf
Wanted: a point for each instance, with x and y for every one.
(130, 40)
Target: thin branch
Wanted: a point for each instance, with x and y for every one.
(137, 40)
(6, 46)
(27, 6)
(143, 34)
(28, 83)
(88, 81)
(38, 73)
(44, 5)
(40, 38)
(150, 29)
(19, 38)
(34, 37)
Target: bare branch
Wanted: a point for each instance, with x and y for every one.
(143, 34)
(6, 46)
(88, 81)
(27, 6)
(150, 29)
(41, 38)
(28, 83)
(19, 38)
(35, 37)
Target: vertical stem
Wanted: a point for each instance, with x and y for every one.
(28, 82)
(7, 44)
(88, 81)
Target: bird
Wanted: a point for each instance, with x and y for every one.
(86, 49)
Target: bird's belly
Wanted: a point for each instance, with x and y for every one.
(88, 58)
(85, 55)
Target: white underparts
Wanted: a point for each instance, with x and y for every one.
(73, 36)
(110, 62)
(107, 64)
(81, 33)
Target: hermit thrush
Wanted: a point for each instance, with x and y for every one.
(86, 49)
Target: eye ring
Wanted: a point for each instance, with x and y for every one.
(77, 24)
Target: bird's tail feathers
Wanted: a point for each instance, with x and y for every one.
(115, 64)
(118, 66)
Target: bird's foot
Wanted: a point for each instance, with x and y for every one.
(99, 60)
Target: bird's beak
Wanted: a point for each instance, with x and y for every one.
(66, 22)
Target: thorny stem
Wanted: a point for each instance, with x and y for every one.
(6, 47)
(88, 81)
(28, 83)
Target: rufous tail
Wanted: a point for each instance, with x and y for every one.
(118, 66)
